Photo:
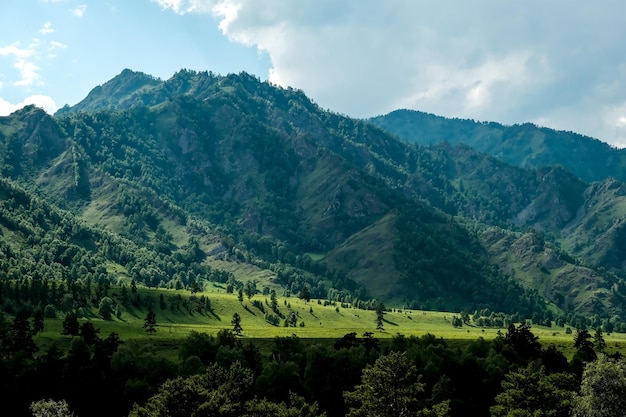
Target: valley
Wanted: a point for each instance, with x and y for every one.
(163, 232)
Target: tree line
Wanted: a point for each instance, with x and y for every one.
(222, 374)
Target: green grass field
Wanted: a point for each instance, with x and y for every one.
(320, 322)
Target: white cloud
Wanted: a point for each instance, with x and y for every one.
(490, 60)
(57, 44)
(26, 59)
(175, 5)
(79, 11)
(46, 29)
(614, 123)
(27, 69)
(29, 72)
(16, 51)
(44, 102)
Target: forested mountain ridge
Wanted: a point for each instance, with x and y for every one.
(207, 173)
(524, 145)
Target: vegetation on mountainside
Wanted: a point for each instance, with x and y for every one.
(525, 145)
(213, 245)
(203, 177)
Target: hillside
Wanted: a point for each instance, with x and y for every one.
(228, 179)
(525, 145)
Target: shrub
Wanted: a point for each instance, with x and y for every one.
(50, 312)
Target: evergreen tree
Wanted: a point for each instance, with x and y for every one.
(236, 322)
(22, 335)
(38, 324)
(380, 313)
(273, 302)
(150, 323)
(71, 326)
(599, 344)
(89, 333)
(584, 346)
(195, 286)
(523, 341)
(250, 289)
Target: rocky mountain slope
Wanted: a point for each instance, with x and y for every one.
(229, 178)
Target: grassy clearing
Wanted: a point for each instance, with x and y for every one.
(316, 256)
(320, 322)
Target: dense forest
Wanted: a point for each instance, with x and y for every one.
(221, 375)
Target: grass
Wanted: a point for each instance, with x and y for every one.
(320, 322)
(316, 256)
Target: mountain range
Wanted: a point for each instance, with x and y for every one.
(231, 179)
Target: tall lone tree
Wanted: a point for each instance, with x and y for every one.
(150, 323)
(38, 324)
(250, 289)
(236, 322)
(273, 302)
(380, 313)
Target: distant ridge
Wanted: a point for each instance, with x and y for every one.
(525, 145)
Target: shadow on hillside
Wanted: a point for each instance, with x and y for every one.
(214, 314)
(390, 322)
(248, 310)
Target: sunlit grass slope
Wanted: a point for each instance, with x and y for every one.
(177, 320)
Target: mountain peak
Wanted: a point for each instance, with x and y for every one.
(119, 92)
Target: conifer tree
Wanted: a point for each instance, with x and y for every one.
(380, 312)
(150, 323)
(236, 322)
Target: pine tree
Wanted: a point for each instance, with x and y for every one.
(150, 323)
(236, 322)
(599, 344)
(273, 302)
(38, 324)
(380, 313)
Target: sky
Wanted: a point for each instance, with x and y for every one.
(555, 63)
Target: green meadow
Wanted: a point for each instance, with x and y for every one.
(315, 321)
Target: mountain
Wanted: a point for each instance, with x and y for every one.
(525, 145)
(226, 178)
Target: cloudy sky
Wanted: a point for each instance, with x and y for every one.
(556, 63)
